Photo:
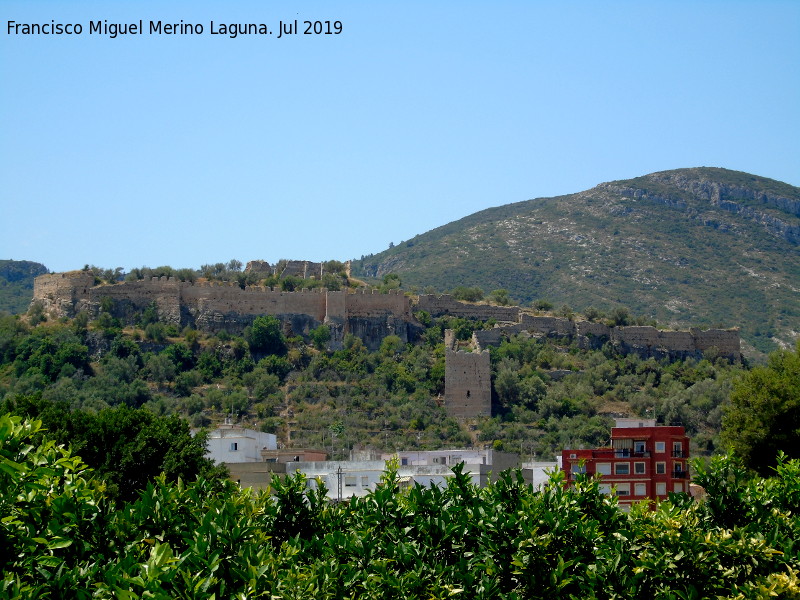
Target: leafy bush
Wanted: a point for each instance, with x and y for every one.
(61, 538)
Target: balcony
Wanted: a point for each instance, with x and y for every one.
(680, 474)
(627, 453)
(678, 454)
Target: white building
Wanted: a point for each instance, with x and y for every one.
(541, 471)
(231, 444)
(427, 468)
(470, 457)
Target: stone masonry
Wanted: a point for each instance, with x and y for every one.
(212, 306)
(467, 379)
(643, 340)
(371, 316)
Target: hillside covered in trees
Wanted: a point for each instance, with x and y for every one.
(16, 284)
(547, 392)
(151, 517)
(688, 247)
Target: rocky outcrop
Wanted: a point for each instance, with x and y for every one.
(735, 199)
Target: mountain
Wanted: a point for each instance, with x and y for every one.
(16, 284)
(688, 247)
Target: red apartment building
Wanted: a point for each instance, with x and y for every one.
(644, 462)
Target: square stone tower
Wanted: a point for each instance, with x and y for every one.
(467, 380)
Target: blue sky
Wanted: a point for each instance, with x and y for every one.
(190, 149)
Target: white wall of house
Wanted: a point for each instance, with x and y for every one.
(499, 460)
(237, 445)
(361, 477)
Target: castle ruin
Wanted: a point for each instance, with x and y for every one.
(214, 306)
(370, 316)
(467, 379)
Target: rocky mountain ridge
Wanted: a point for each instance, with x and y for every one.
(688, 247)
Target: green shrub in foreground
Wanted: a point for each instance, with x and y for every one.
(59, 537)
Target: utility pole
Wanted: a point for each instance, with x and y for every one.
(339, 481)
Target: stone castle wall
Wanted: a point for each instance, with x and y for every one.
(215, 305)
(370, 316)
(445, 304)
(643, 340)
(467, 381)
(372, 303)
(302, 268)
(254, 300)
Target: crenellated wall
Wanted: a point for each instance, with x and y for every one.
(371, 303)
(213, 306)
(445, 304)
(643, 340)
(369, 315)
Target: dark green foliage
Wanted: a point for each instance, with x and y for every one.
(16, 284)
(60, 538)
(320, 336)
(467, 294)
(390, 398)
(155, 332)
(291, 283)
(51, 353)
(763, 417)
(181, 356)
(149, 315)
(209, 365)
(500, 296)
(620, 316)
(127, 447)
(265, 336)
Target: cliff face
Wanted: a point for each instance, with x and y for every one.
(762, 206)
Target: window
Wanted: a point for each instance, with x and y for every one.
(677, 449)
(639, 446)
(623, 489)
(622, 469)
(404, 461)
(234, 446)
(604, 488)
(661, 468)
(350, 481)
(604, 468)
(578, 468)
(640, 489)
(678, 488)
(661, 446)
(661, 488)
(364, 481)
(639, 468)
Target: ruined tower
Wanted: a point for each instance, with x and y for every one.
(467, 379)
